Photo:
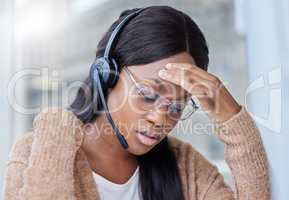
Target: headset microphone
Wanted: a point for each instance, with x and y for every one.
(105, 71)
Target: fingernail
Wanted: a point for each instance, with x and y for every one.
(169, 65)
(162, 73)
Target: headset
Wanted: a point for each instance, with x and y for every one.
(105, 70)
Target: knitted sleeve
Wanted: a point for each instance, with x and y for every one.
(15, 166)
(49, 171)
(246, 157)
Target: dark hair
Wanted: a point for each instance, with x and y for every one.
(156, 33)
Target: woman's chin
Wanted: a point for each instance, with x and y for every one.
(139, 149)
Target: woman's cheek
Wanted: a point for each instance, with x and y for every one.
(126, 118)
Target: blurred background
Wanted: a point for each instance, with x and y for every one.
(46, 46)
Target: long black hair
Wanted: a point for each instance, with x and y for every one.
(156, 33)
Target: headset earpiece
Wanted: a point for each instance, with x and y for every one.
(107, 70)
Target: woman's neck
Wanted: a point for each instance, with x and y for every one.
(105, 154)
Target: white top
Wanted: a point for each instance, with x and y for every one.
(112, 191)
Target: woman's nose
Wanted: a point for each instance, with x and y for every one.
(158, 115)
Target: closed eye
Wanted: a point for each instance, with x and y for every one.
(150, 98)
(148, 95)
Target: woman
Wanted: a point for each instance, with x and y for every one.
(75, 154)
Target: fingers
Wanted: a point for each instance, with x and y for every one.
(192, 68)
(197, 82)
(191, 78)
(183, 79)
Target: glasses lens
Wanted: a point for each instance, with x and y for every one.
(176, 109)
(143, 98)
(190, 109)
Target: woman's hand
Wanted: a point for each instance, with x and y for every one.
(213, 96)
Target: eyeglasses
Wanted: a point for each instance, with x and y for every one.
(147, 99)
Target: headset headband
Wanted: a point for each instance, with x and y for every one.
(117, 30)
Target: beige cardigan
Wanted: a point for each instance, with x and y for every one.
(46, 165)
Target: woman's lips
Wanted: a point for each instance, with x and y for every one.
(147, 138)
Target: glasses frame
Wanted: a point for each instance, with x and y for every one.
(192, 103)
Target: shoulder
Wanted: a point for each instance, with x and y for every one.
(54, 115)
(179, 146)
(187, 156)
(21, 148)
(183, 150)
(48, 117)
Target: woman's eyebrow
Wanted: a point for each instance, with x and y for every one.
(154, 80)
(157, 81)
(160, 84)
